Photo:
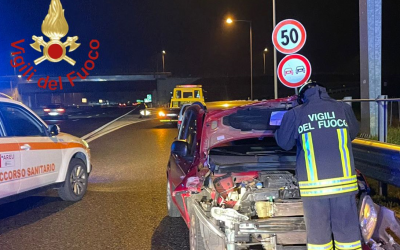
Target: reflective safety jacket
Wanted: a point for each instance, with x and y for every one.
(322, 129)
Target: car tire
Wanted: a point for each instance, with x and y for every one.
(195, 238)
(173, 211)
(76, 181)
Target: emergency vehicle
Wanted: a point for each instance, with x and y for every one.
(182, 94)
(34, 156)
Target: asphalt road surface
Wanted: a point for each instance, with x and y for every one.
(125, 207)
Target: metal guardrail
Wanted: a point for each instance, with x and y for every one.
(378, 160)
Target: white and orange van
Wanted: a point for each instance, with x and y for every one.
(34, 155)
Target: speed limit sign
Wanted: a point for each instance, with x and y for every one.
(289, 36)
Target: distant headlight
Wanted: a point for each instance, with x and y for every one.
(144, 112)
(368, 218)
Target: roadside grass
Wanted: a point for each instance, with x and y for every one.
(394, 135)
(392, 201)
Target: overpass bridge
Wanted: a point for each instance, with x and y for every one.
(115, 88)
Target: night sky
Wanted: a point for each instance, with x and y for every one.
(133, 33)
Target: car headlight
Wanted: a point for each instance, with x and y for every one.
(368, 217)
(162, 114)
(142, 112)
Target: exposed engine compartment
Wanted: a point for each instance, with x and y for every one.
(253, 193)
(254, 207)
(263, 210)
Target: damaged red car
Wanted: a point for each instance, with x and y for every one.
(233, 185)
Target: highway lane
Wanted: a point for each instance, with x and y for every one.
(125, 207)
(80, 123)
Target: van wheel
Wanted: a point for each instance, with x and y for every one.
(173, 211)
(76, 180)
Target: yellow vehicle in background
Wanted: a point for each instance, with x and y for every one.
(186, 94)
(182, 94)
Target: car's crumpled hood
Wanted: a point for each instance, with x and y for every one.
(248, 121)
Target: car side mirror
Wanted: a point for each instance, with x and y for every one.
(54, 130)
(180, 148)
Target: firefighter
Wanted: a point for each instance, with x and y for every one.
(322, 129)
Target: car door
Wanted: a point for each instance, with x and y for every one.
(10, 164)
(180, 166)
(41, 155)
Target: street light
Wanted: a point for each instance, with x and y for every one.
(230, 21)
(265, 51)
(163, 60)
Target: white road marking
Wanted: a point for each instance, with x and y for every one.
(102, 127)
(89, 117)
(97, 115)
(75, 120)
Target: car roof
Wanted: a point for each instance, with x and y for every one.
(5, 99)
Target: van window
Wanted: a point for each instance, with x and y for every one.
(196, 94)
(178, 94)
(187, 95)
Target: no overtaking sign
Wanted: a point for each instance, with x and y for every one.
(294, 70)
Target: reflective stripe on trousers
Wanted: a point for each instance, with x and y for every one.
(351, 245)
(326, 246)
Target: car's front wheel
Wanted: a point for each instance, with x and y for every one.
(173, 211)
(76, 180)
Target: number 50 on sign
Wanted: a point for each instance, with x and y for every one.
(289, 36)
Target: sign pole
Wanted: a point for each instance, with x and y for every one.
(275, 76)
(251, 62)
